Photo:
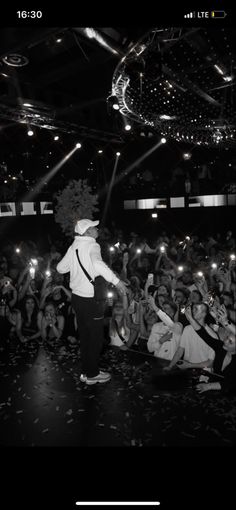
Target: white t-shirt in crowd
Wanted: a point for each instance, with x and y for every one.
(195, 349)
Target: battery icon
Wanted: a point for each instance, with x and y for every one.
(218, 14)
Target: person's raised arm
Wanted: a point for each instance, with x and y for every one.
(23, 290)
(223, 319)
(162, 315)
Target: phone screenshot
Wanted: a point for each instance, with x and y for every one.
(117, 253)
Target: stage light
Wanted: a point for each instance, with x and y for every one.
(154, 215)
(187, 155)
(128, 127)
(113, 102)
(56, 137)
(59, 40)
(118, 154)
(27, 104)
(100, 151)
(78, 145)
(228, 78)
(163, 140)
(30, 132)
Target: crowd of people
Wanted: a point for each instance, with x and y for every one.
(180, 304)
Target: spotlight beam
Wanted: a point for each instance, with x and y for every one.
(48, 176)
(136, 162)
(109, 191)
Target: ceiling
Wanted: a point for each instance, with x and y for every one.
(64, 75)
(67, 75)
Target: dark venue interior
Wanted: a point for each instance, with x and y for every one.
(134, 127)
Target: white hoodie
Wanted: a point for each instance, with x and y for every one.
(90, 257)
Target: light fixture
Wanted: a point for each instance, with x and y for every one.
(113, 102)
(118, 154)
(187, 155)
(90, 32)
(228, 78)
(15, 60)
(167, 117)
(58, 40)
(163, 140)
(17, 250)
(127, 127)
(56, 137)
(100, 151)
(28, 104)
(154, 215)
(30, 132)
(78, 145)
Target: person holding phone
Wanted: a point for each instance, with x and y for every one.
(224, 363)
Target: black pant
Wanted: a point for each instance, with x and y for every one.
(89, 316)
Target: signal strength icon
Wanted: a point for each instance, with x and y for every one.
(190, 15)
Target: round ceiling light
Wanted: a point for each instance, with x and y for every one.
(15, 60)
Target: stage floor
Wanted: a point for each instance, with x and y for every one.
(43, 403)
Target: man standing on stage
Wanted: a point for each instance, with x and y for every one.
(84, 262)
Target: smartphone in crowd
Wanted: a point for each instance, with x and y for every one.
(150, 278)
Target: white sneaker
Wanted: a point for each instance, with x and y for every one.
(83, 377)
(102, 377)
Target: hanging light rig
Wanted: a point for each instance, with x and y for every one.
(157, 86)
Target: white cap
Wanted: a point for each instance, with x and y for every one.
(83, 225)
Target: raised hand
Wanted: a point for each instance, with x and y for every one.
(222, 314)
(151, 302)
(188, 313)
(122, 287)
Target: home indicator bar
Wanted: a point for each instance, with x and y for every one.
(117, 503)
